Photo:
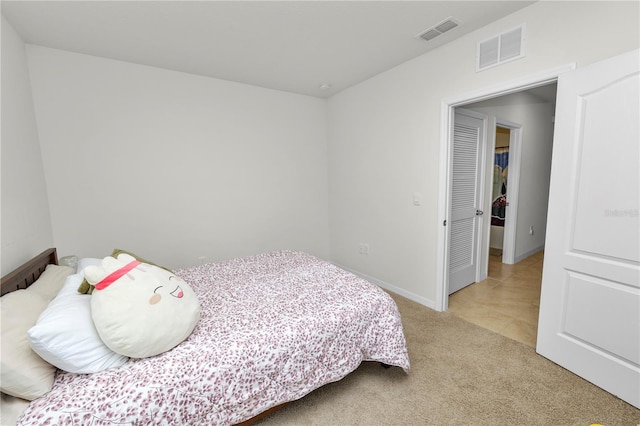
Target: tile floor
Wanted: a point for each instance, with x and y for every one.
(507, 302)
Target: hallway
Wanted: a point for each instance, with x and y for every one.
(507, 302)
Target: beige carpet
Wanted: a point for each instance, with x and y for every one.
(461, 374)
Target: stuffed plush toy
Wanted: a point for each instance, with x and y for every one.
(140, 310)
(86, 288)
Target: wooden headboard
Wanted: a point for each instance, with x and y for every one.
(26, 274)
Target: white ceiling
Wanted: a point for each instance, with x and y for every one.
(293, 46)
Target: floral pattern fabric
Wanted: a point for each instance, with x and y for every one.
(273, 328)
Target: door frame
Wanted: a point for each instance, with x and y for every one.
(447, 113)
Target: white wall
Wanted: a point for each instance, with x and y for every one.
(25, 223)
(535, 117)
(384, 135)
(175, 166)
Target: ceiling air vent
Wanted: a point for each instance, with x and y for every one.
(439, 29)
(500, 49)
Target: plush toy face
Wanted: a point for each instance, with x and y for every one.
(140, 310)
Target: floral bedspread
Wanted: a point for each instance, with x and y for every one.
(273, 328)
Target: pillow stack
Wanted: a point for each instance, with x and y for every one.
(23, 373)
(65, 336)
(49, 325)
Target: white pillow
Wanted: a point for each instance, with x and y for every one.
(50, 282)
(87, 261)
(65, 335)
(24, 374)
(11, 408)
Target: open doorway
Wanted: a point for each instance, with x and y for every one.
(533, 81)
(499, 199)
(506, 298)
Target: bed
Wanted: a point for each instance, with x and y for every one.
(273, 327)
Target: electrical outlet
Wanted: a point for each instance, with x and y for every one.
(364, 248)
(202, 259)
(531, 230)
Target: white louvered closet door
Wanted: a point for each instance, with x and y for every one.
(468, 143)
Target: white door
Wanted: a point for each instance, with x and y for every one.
(466, 216)
(590, 303)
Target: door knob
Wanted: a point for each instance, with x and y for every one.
(479, 212)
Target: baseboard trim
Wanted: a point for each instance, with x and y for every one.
(529, 253)
(392, 288)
